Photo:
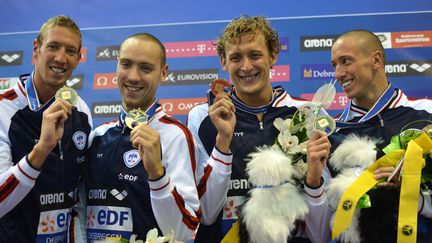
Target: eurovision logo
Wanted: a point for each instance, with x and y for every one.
(107, 53)
(186, 77)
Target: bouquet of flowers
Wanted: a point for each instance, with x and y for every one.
(278, 172)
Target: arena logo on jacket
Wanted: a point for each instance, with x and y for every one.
(131, 158)
(79, 139)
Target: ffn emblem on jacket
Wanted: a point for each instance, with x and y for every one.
(79, 139)
(131, 158)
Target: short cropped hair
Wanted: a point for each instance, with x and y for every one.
(61, 21)
(370, 42)
(150, 37)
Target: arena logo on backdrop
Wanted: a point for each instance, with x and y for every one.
(409, 68)
(11, 58)
(280, 73)
(75, 81)
(107, 53)
(190, 48)
(186, 77)
(317, 72)
(6, 83)
(181, 106)
(316, 43)
(339, 102)
(105, 81)
(106, 109)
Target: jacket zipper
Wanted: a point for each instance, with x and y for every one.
(260, 119)
(380, 120)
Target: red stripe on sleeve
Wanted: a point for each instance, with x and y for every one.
(202, 184)
(189, 139)
(9, 95)
(8, 186)
(190, 220)
(22, 171)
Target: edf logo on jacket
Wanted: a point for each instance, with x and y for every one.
(108, 221)
(53, 225)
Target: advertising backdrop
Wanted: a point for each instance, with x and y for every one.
(303, 64)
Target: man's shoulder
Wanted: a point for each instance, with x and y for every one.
(103, 128)
(197, 115)
(199, 110)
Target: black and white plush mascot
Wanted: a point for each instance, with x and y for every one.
(275, 202)
(350, 159)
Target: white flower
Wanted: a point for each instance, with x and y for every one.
(134, 240)
(288, 142)
(300, 168)
(282, 125)
(153, 237)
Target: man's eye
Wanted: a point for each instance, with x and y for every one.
(235, 59)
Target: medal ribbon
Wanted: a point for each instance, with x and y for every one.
(410, 186)
(150, 112)
(383, 101)
(232, 236)
(32, 97)
(252, 110)
(408, 206)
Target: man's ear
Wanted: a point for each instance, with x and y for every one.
(378, 59)
(222, 61)
(274, 56)
(164, 72)
(35, 51)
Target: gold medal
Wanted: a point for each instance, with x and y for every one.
(325, 123)
(135, 117)
(68, 94)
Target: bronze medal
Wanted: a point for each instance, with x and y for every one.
(219, 85)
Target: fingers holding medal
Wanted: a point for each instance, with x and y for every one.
(222, 105)
(222, 111)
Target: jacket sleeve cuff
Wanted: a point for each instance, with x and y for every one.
(160, 188)
(25, 173)
(315, 195)
(221, 162)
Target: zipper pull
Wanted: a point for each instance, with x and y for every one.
(381, 120)
(260, 117)
(60, 151)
